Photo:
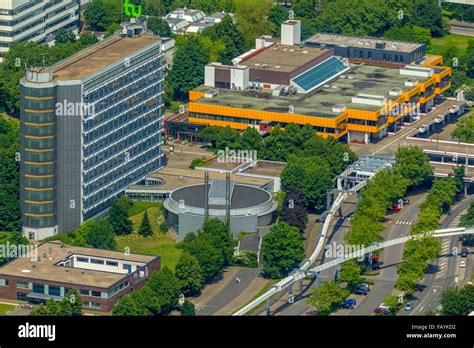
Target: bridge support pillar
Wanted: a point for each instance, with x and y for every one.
(267, 307)
(301, 286)
(291, 297)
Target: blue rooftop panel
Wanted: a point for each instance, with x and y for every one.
(319, 74)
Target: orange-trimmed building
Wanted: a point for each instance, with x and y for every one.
(349, 99)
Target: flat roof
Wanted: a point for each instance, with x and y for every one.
(365, 79)
(46, 269)
(282, 58)
(99, 56)
(364, 42)
(242, 196)
(265, 168)
(175, 178)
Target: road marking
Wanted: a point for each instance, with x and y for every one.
(403, 222)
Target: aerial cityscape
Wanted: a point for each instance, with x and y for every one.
(237, 158)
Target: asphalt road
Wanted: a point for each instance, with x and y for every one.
(442, 273)
(231, 291)
(338, 229)
(385, 281)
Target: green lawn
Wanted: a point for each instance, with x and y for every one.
(5, 308)
(139, 207)
(461, 41)
(162, 244)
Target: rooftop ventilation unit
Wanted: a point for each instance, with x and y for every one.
(339, 108)
(380, 45)
(415, 70)
(411, 82)
(395, 92)
(211, 93)
(369, 99)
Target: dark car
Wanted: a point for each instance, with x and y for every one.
(360, 291)
(464, 252)
(406, 200)
(348, 303)
(381, 311)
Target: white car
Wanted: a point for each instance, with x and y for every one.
(384, 306)
(462, 264)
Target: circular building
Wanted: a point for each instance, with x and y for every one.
(250, 207)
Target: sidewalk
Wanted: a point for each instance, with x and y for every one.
(211, 290)
(245, 297)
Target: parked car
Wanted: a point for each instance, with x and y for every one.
(348, 303)
(396, 207)
(381, 311)
(409, 306)
(464, 252)
(360, 291)
(462, 264)
(384, 306)
(406, 200)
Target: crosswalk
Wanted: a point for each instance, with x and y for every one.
(443, 262)
(455, 222)
(402, 222)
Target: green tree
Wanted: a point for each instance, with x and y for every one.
(98, 234)
(188, 309)
(458, 175)
(49, 309)
(231, 37)
(112, 29)
(410, 33)
(165, 288)
(159, 27)
(189, 273)
(277, 15)
(129, 305)
(464, 130)
(96, 16)
(327, 297)
(413, 164)
(145, 227)
(218, 233)
(188, 67)
(71, 305)
(282, 250)
(118, 217)
(10, 219)
(63, 36)
(350, 274)
(251, 17)
(457, 301)
(311, 176)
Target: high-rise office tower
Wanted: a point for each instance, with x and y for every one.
(35, 20)
(91, 125)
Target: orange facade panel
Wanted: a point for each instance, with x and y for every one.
(364, 128)
(218, 123)
(442, 90)
(266, 115)
(426, 84)
(363, 115)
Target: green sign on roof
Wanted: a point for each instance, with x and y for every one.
(131, 9)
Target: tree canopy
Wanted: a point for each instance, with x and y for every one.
(282, 250)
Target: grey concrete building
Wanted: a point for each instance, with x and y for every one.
(91, 125)
(369, 48)
(36, 20)
(250, 207)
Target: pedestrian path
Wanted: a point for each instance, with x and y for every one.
(402, 222)
(443, 262)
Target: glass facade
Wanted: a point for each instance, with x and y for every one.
(122, 137)
(38, 157)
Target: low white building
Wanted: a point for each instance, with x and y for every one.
(183, 20)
